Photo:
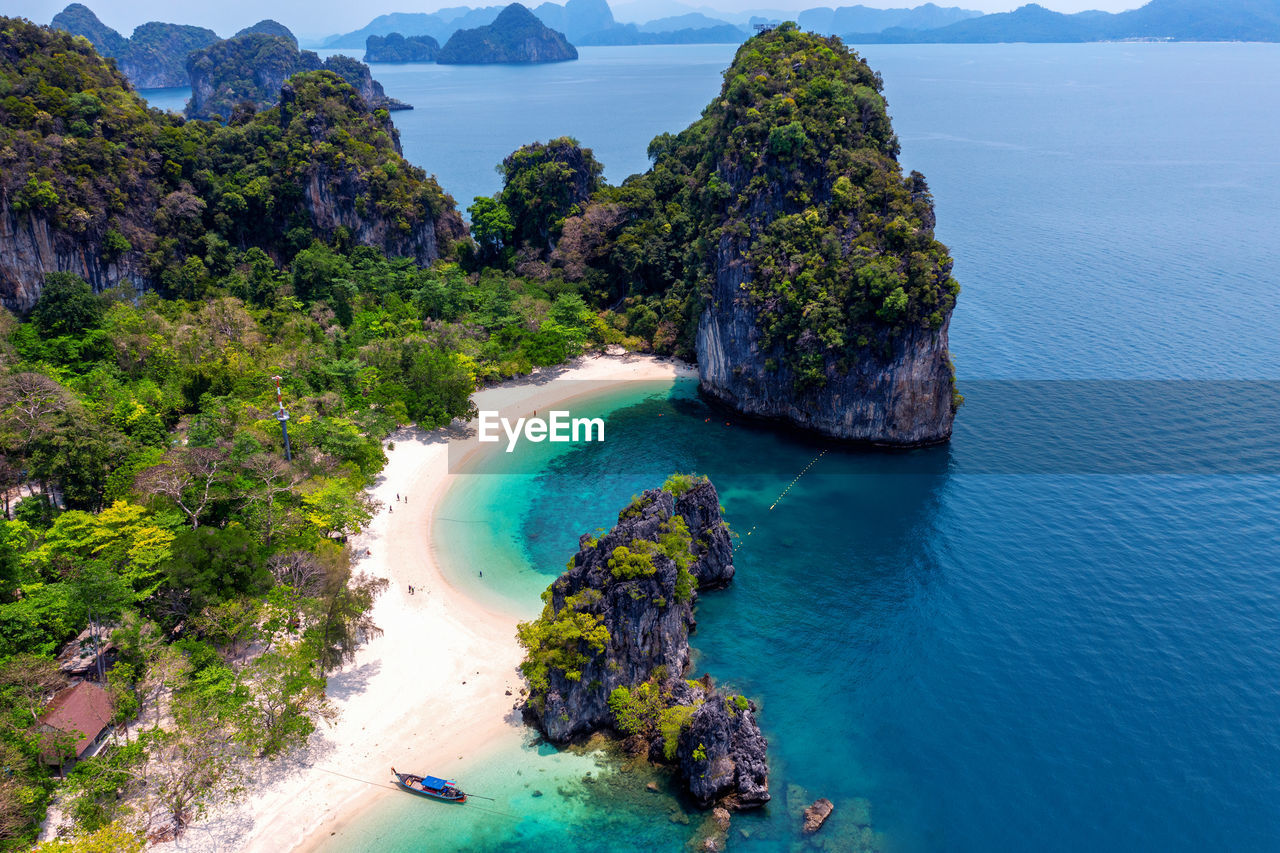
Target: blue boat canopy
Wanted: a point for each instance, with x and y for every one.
(433, 782)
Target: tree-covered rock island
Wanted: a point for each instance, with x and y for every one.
(515, 36)
(611, 648)
(777, 242)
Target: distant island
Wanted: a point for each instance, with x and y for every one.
(153, 58)
(397, 48)
(515, 36)
(1166, 20)
(224, 74)
(592, 22)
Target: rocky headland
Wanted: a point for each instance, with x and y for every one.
(611, 649)
(141, 214)
(786, 251)
(515, 36)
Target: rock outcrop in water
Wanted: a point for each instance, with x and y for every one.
(785, 250)
(396, 48)
(515, 36)
(612, 645)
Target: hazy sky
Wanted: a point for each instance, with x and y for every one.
(310, 18)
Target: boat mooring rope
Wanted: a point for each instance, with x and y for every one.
(394, 788)
(789, 487)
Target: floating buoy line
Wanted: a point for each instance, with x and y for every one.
(789, 487)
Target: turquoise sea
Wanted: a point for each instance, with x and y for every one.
(1059, 633)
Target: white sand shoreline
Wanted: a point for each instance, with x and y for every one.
(431, 690)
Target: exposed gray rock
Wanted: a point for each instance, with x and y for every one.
(816, 815)
(720, 752)
(648, 626)
(30, 248)
(898, 392)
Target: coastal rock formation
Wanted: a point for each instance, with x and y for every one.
(128, 214)
(829, 300)
(252, 69)
(786, 251)
(816, 815)
(515, 36)
(154, 57)
(898, 392)
(612, 645)
(397, 48)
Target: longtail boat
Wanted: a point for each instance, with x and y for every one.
(430, 786)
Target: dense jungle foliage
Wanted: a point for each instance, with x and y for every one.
(146, 494)
(181, 202)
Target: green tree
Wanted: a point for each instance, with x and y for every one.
(67, 306)
(492, 229)
(214, 564)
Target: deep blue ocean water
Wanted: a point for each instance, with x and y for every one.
(970, 656)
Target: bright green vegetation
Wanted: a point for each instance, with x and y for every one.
(678, 484)
(158, 506)
(627, 564)
(542, 185)
(563, 641)
(645, 711)
(793, 167)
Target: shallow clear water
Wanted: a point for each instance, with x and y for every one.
(979, 658)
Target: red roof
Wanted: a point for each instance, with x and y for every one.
(83, 709)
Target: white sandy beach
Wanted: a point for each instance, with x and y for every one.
(432, 689)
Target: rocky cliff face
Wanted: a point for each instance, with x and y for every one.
(829, 298)
(896, 391)
(515, 36)
(30, 247)
(612, 646)
(156, 55)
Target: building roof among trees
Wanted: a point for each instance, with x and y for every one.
(83, 709)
